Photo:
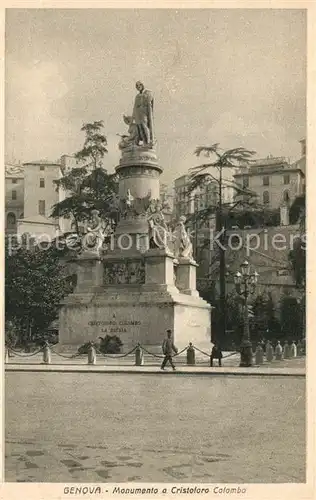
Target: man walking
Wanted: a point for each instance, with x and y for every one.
(168, 348)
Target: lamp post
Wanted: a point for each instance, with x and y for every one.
(245, 283)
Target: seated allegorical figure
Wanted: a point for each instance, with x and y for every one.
(132, 137)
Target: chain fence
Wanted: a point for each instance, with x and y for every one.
(138, 350)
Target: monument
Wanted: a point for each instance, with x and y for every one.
(145, 282)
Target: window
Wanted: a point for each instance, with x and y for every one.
(265, 180)
(14, 195)
(11, 220)
(245, 182)
(42, 182)
(42, 167)
(14, 181)
(286, 179)
(41, 207)
(286, 196)
(266, 197)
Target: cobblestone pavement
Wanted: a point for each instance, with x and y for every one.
(113, 428)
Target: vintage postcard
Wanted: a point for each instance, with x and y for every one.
(157, 312)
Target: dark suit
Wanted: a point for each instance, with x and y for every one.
(168, 349)
(216, 354)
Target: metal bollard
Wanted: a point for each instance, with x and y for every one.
(47, 356)
(269, 352)
(139, 356)
(293, 350)
(6, 359)
(190, 355)
(278, 351)
(259, 355)
(299, 348)
(91, 355)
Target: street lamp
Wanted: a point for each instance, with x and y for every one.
(245, 283)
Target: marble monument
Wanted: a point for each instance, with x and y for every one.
(145, 282)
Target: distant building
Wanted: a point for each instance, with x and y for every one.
(206, 196)
(40, 192)
(14, 196)
(183, 203)
(30, 193)
(167, 198)
(301, 163)
(274, 181)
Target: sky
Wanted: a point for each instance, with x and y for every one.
(231, 76)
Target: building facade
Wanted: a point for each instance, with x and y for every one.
(14, 196)
(30, 193)
(40, 192)
(273, 180)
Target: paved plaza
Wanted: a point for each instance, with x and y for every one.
(103, 427)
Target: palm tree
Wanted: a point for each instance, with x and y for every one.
(199, 177)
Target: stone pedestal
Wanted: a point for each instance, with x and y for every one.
(159, 267)
(89, 272)
(132, 291)
(186, 277)
(139, 172)
(137, 315)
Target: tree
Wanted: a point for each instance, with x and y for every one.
(297, 259)
(201, 176)
(297, 211)
(264, 323)
(291, 318)
(88, 191)
(94, 147)
(35, 284)
(234, 319)
(297, 255)
(89, 186)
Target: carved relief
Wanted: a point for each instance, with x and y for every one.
(131, 206)
(124, 273)
(139, 172)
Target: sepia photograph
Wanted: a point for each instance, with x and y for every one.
(155, 249)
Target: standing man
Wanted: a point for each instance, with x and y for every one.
(143, 115)
(168, 348)
(216, 354)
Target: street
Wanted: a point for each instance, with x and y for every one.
(84, 427)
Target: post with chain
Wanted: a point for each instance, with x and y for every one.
(91, 354)
(139, 356)
(6, 359)
(190, 355)
(47, 355)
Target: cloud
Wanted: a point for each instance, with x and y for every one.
(29, 98)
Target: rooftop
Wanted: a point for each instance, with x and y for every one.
(38, 219)
(278, 169)
(43, 162)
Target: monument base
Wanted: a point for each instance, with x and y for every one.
(136, 314)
